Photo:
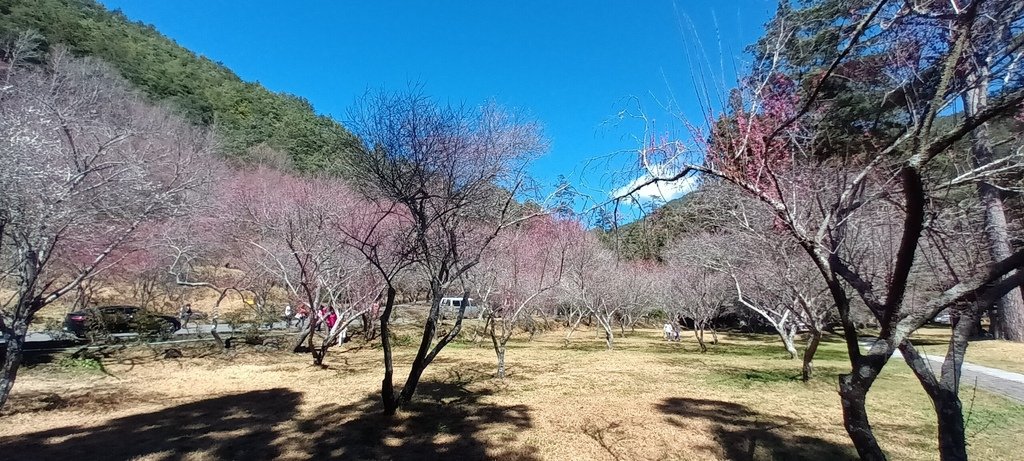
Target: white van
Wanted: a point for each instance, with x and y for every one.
(450, 307)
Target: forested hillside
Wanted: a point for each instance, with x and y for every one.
(250, 119)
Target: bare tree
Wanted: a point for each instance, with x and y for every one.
(694, 291)
(453, 174)
(770, 277)
(85, 163)
(599, 286)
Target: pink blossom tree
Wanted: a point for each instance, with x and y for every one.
(524, 266)
(293, 229)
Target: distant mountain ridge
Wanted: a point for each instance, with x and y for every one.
(249, 118)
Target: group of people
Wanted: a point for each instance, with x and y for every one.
(299, 316)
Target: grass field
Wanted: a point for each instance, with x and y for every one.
(649, 399)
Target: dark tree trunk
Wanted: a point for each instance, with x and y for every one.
(12, 359)
(387, 389)
(429, 332)
(853, 391)
(425, 354)
(699, 333)
(944, 391)
(300, 338)
(952, 438)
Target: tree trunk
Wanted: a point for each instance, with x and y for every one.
(853, 394)
(12, 359)
(944, 391)
(387, 388)
(812, 348)
(501, 362)
(575, 325)
(787, 340)
(497, 343)
(609, 336)
(301, 338)
(699, 333)
(429, 331)
(1009, 321)
(952, 438)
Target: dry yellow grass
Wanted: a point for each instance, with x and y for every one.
(648, 399)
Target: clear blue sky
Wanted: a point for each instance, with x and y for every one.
(572, 65)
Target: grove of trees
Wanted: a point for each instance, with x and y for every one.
(848, 131)
(864, 177)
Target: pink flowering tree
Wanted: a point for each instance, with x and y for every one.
(523, 267)
(292, 229)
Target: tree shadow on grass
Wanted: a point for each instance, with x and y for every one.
(238, 426)
(744, 434)
(444, 421)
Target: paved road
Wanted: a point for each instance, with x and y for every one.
(1005, 383)
(191, 329)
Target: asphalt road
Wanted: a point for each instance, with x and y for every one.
(1001, 382)
(37, 340)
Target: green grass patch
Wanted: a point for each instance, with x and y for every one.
(80, 363)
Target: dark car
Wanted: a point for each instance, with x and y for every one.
(119, 319)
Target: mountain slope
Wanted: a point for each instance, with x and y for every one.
(248, 117)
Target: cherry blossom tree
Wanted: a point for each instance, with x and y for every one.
(294, 229)
(524, 266)
(85, 165)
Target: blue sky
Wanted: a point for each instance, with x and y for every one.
(572, 65)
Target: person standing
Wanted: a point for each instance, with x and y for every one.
(185, 314)
(303, 314)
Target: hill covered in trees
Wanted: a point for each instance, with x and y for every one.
(250, 119)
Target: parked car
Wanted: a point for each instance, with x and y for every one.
(942, 318)
(119, 319)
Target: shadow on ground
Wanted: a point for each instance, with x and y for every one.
(744, 434)
(239, 426)
(446, 421)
